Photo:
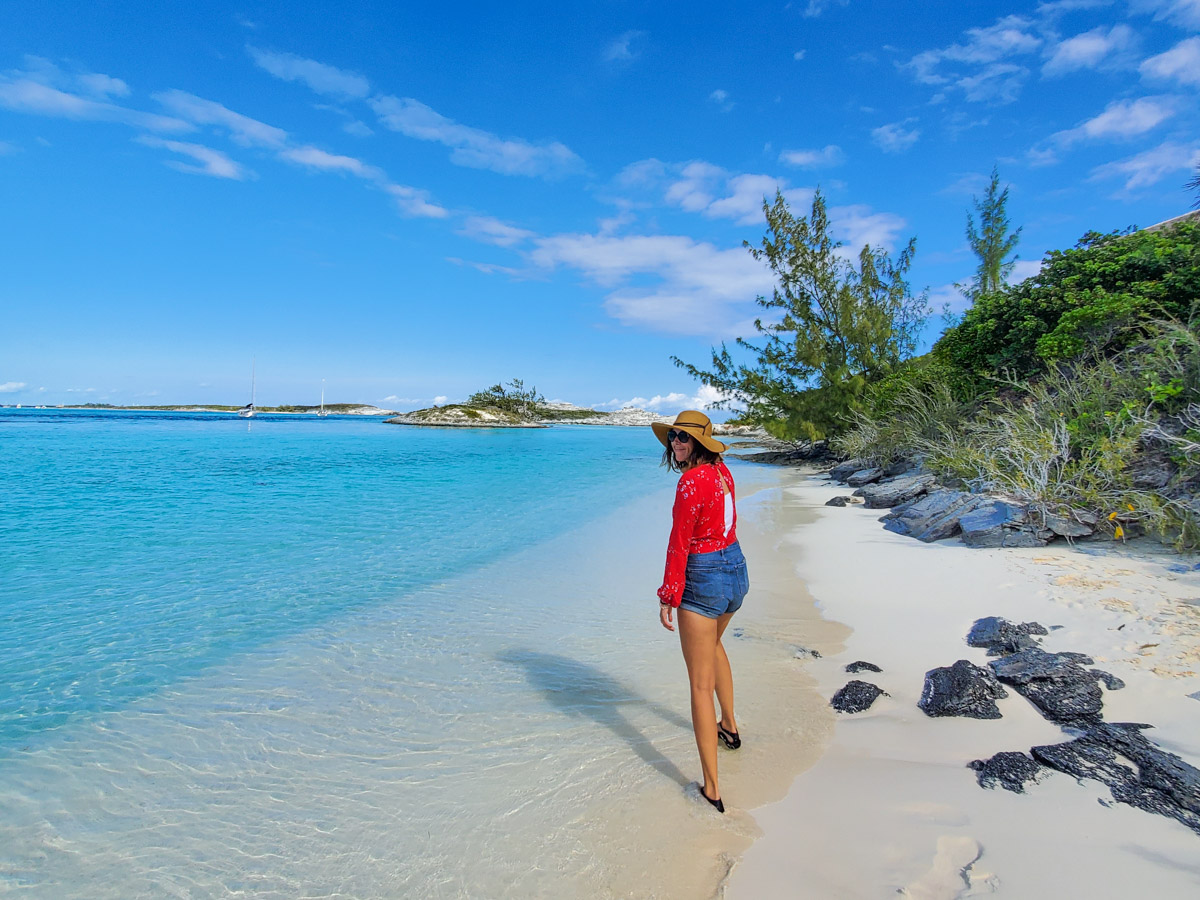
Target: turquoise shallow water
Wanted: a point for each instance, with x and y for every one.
(336, 658)
(141, 548)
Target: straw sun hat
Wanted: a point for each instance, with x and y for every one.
(695, 423)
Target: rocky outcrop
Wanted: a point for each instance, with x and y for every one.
(963, 689)
(1012, 770)
(1001, 636)
(1056, 683)
(932, 517)
(1159, 782)
(463, 417)
(839, 501)
(856, 697)
(860, 666)
(864, 476)
(886, 494)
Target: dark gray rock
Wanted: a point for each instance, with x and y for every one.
(1111, 681)
(997, 523)
(1070, 526)
(886, 494)
(805, 653)
(861, 666)
(962, 689)
(1011, 770)
(1001, 636)
(932, 517)
(856, 696)
(1056, 683)
(1152, 470)
(844, 470)
(1157, 782)
(899, 467)
(864, 476)
(984, 525)
(838, 501)
(1027, 536)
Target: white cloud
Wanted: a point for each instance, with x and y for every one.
(857, 225)
(664, 283)
(798, 55)
(830, 155)
(1098, 48)
(243, 129)
(357, 128)
(1181, 63)
(473, 147)
(998, 82)
(894, 137)
(621, 49)
(11, 387)
(7, 148)
(1151, 166)
(322, 78)
(985, 56)
(1185, 13)
(209, 161)
(1121, 119)
(721, 98)
(816, 7)
(493, 231)
(415, 202)
(103, 85)
(30, 92)
(716, 194)
(704, 398)
(313, 158)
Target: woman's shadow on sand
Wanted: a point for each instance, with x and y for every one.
(579, 689)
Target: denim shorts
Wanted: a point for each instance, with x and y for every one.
(716, 582)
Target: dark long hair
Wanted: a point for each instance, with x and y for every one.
(700, 456)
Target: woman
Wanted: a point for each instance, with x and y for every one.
(705, 580)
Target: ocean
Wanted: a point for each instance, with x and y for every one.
(303, 657)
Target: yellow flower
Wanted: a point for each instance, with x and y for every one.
(1111, 516)
(1119, 533)
(1130, 505)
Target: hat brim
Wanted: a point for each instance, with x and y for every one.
(661, 429)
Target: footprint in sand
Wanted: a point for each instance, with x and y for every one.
(951, 874)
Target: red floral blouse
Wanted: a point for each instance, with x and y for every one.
(698, 523)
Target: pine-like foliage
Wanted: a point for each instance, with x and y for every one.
(832, 327)
(990, 239)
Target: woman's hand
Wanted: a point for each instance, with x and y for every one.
(665, 613)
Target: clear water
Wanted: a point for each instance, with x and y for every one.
(336, 658)
(139, 548)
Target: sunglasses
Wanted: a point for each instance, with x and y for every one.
(682, 436)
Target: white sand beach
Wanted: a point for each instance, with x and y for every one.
(891, 808)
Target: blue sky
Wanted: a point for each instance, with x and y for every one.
(415, 201)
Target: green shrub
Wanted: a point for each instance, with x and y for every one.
(1092, 298)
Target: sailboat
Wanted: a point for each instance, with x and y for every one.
(322, 412)
(248, 410)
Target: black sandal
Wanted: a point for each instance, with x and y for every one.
(716, 804)
(730, 738)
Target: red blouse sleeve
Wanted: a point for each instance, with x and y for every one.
(684, 515)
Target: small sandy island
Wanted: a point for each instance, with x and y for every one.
(892, 809)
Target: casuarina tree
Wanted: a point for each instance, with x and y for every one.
(834, 324)
(990, 239)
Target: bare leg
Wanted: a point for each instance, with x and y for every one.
(725, 678)
(698, 638)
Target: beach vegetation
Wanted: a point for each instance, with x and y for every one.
(835, 324)
(1076, 392)
(1095, 297)
(990, 239)
(512, 398)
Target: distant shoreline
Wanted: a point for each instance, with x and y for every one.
(339, 409)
